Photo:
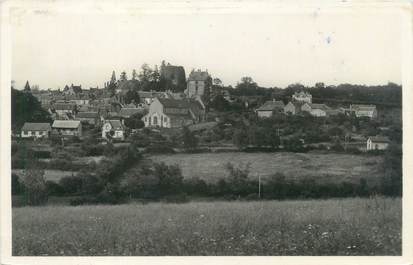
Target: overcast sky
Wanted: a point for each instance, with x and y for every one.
(52, 50)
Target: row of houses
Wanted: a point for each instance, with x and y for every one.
(116, 130)
(302, 102)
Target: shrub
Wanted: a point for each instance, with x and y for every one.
(195, 186)
(35, 186)
(54, 188)
(16, 186)
(170, 178)
(83, 200)
(176, 198)
(71, 184)
(41, 154)
(159, 149)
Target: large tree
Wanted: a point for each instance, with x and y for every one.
(26, 108)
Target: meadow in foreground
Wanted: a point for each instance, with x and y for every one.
(313, 227)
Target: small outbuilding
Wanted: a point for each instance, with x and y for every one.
(36, 130)
(377, 143)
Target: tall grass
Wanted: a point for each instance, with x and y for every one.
(314, 227)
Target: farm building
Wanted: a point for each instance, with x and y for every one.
(36, 130)
(293, 108)
(302, 97)
(63, 108)
(172, 113)
(364, 110)
(67, 127)
(316, 110)
(377, 143)
(89, 117)
(269, 108)
(114, 128)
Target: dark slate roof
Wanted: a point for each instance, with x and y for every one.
(63, 106)
(116, 124)
(271, 105)
(35, 126)
(379, 139)
(127, 112)
(198, 76)
(362, 107)
(87, 115)
(174, 103)
(69, 124)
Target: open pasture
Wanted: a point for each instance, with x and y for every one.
(323, 167)
(313, 227)
(49, 174)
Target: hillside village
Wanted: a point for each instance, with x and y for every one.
(104, 141)
(178, 102)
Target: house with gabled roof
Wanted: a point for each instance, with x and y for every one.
(72, 89)
(90, 117)
(377, 143)
(67, 127)
(36, 130)
(173, 113)
(269, 108)
(363, 110)
(63, 108)
(293, 107)
(316, 110)
(113, 129)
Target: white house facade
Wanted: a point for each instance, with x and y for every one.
(114, 128)
(36, 130)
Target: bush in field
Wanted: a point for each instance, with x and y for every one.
(159, 149)
(392, 182)
(71, 184)
(189, 139)
(90, 184)
(109, 150)
(54, 188)
(110, 194)
(91, 149)
(35, 190)
(238, 179)
(195, 186)
(16, 186)
(170, 178)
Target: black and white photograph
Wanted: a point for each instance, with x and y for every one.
(198, 128)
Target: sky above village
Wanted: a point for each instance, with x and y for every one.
(52, 49)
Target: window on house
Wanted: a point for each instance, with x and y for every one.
(165, 119)
(155, 120)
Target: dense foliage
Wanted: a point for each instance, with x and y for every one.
(26, 108)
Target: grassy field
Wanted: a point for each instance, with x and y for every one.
(324, 227)
(49, 174)
(324, 167)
